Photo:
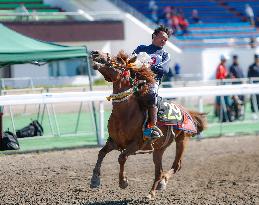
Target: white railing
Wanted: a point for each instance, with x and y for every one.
(100, 96)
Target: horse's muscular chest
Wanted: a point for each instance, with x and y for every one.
(125, 125)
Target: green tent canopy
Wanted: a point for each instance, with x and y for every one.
(16, 48)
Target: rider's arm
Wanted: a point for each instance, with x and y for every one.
(162, 67)
(138, 49)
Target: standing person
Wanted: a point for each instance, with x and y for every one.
(222, 72)
(250, 14)
(177, 70)
(236, 72)
(159, 66)
(253, 71)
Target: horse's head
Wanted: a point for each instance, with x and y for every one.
(122, 70)
(102, 62)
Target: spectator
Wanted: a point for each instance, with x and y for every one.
(253, 71)
(152, 5)
(153, 9)
(221, 72)
(183, 23)
(168, 78)
(252, 42)
(177, 71)
(21, 9)
(235, 72)
(167, 12)
(250, 14)
(257, 21)
(154, 16)
(195, 16)
(175, 23)
(168, 20)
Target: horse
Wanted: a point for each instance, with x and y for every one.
(125, 125)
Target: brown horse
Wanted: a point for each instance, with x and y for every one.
(125, 124)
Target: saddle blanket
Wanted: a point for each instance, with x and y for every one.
(175, 115)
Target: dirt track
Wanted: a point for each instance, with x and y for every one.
(215, 171)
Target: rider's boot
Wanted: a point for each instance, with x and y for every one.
(152, 131)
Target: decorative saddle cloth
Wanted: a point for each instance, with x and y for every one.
(175, 115)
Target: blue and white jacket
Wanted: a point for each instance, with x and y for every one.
(160, 59)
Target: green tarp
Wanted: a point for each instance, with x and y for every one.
(16, 48)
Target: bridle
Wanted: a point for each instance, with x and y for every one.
(124, 73)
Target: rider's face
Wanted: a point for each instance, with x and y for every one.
(160, 39)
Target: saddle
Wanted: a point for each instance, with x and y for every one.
(170, 113)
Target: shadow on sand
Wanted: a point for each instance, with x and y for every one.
(119, 202)
(116, 202)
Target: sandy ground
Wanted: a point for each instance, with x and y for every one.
(215, 171)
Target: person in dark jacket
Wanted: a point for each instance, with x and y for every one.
(160, 66)
(236, 72)
(253, 71)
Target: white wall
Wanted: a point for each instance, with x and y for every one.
(191, 62)
(211, 58)
(28, 70)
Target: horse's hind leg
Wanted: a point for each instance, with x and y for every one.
(108, 147)
(181, 143)
(157, 159)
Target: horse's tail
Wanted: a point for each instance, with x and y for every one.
(200, 119)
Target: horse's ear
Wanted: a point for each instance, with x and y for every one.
(122, 54)
(121, 61)
(132, 60)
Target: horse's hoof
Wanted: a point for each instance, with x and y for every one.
(150, 197)
(161, 185)
(124, 183)
(95, 182)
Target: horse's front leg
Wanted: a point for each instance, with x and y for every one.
(108, 147)
(157, 159)
(131, 149)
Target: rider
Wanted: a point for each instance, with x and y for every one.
(159, 66)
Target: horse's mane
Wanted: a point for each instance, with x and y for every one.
(124, 61)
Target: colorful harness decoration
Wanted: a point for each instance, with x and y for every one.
(119, 97)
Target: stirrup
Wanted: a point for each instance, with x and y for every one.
(152, 133)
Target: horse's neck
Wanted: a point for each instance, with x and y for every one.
(119, 87)
(129, 107)
(130, 101)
